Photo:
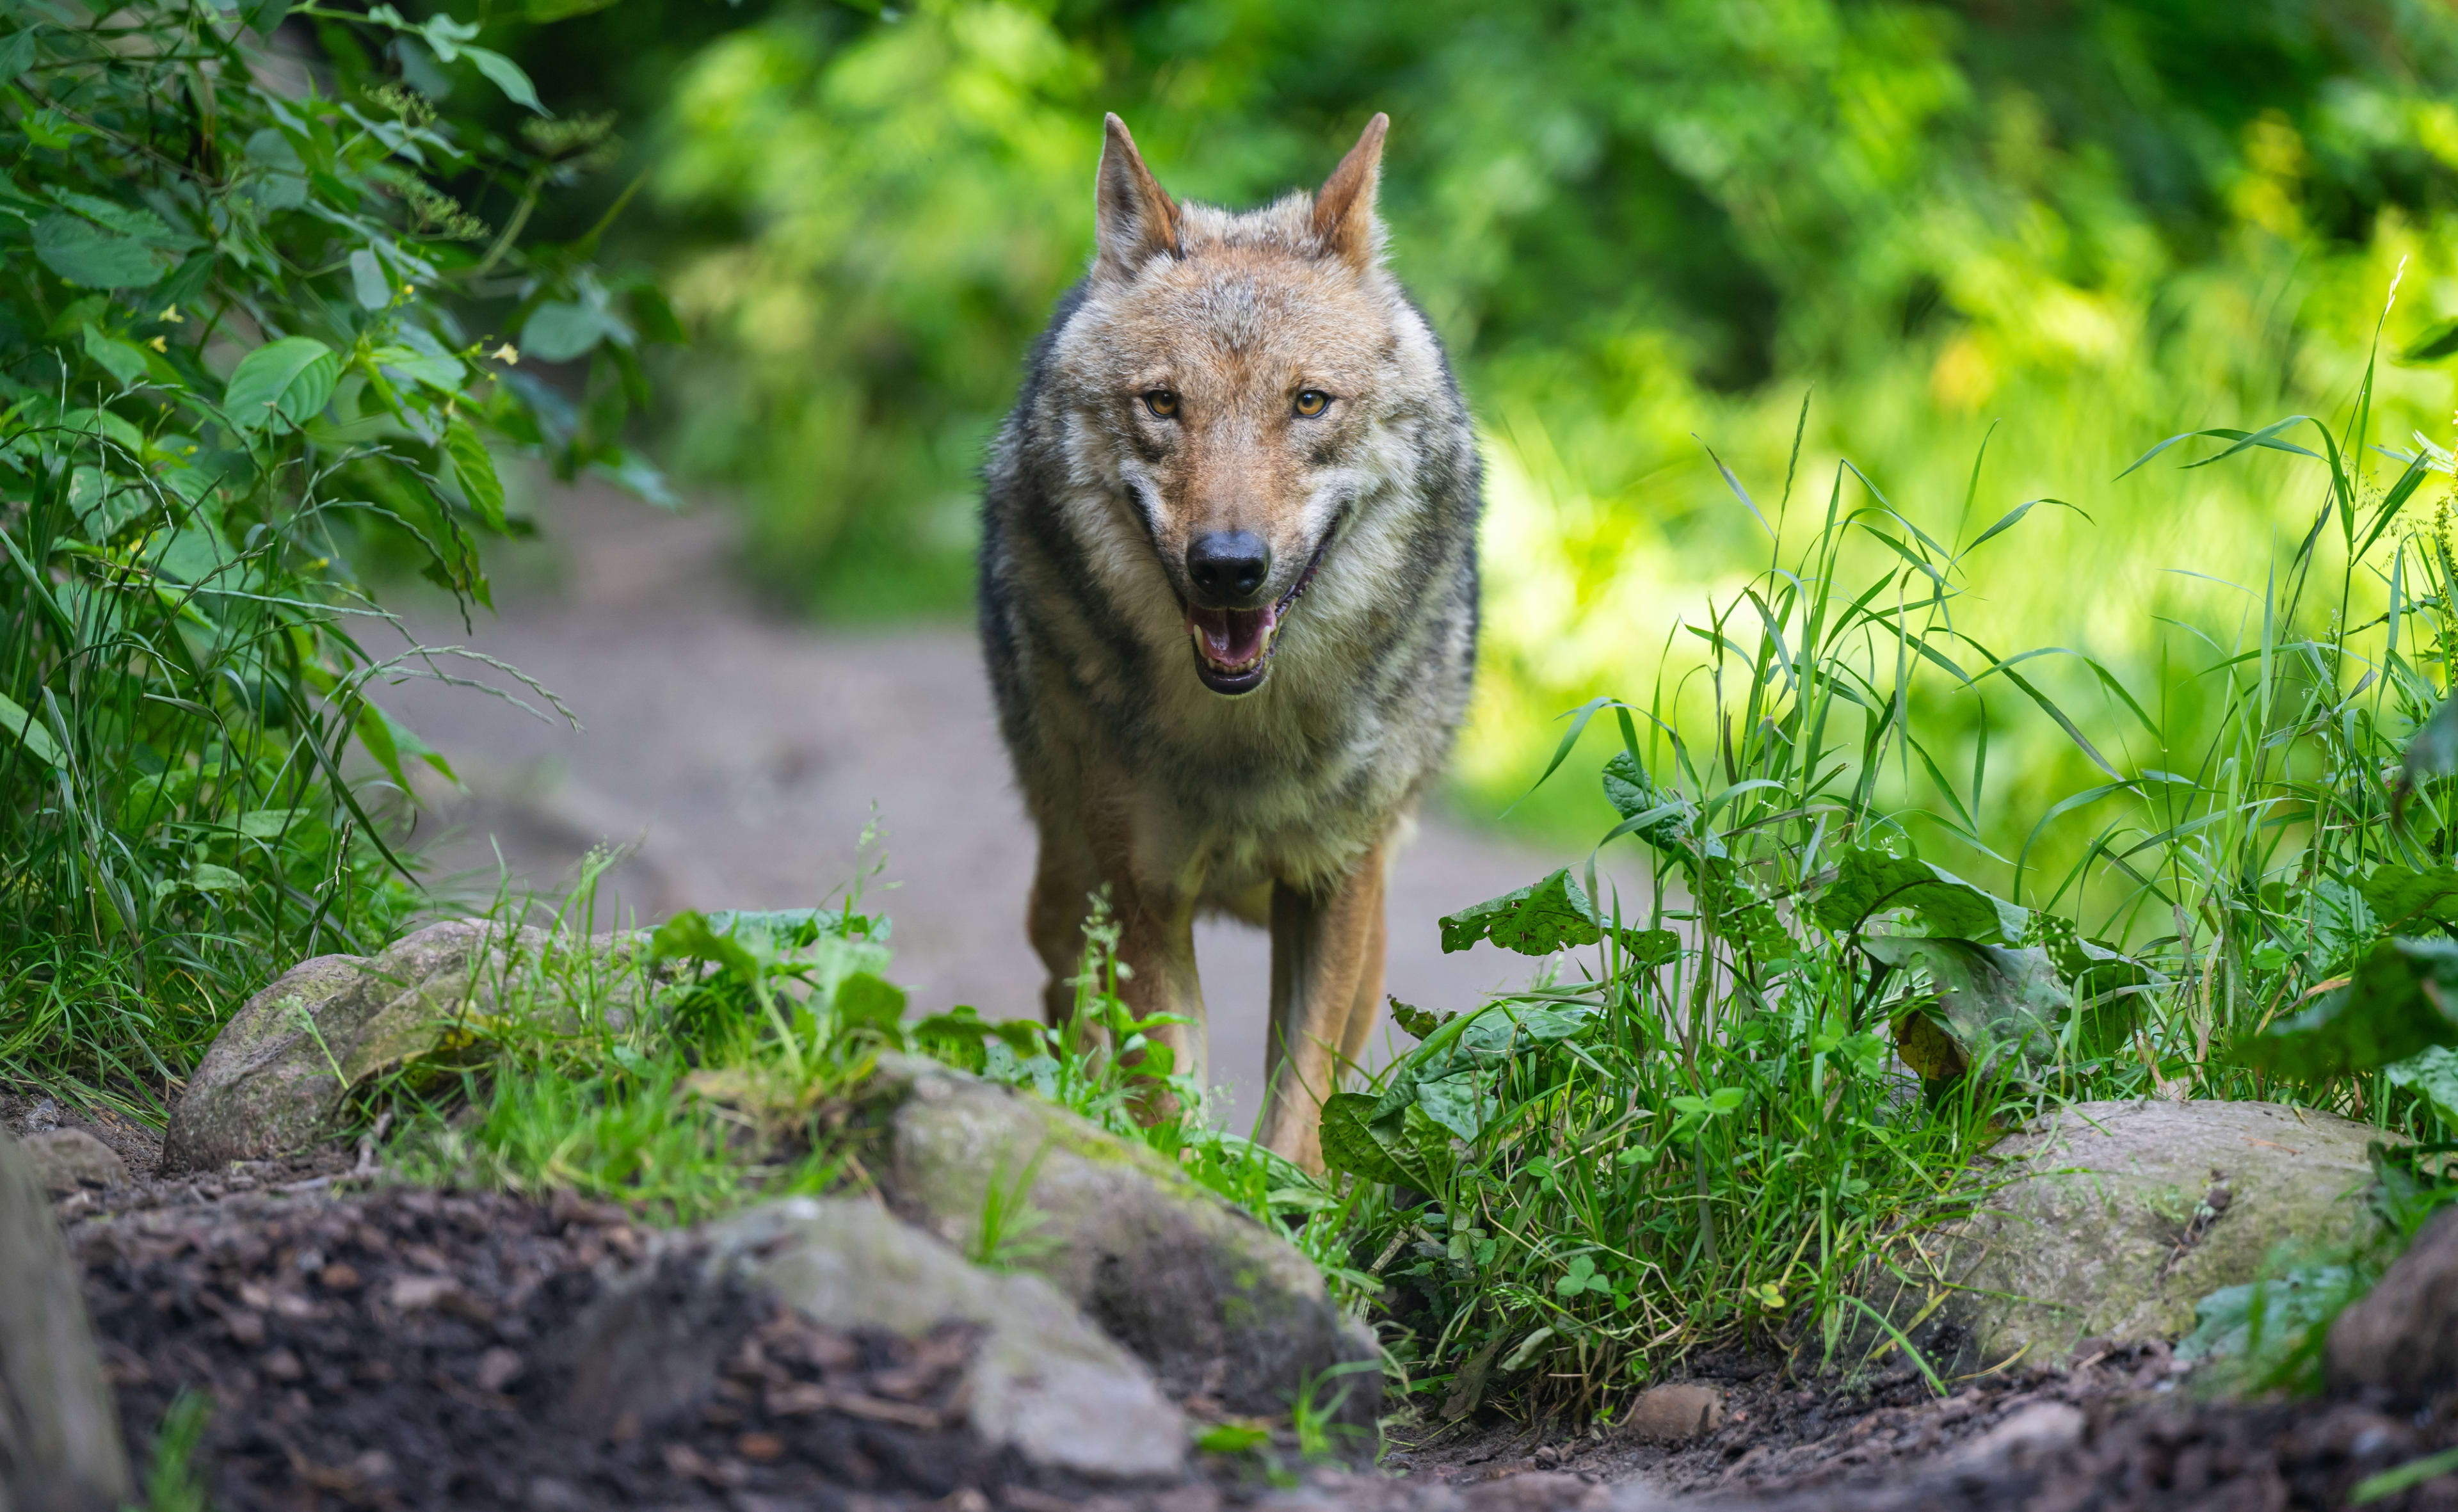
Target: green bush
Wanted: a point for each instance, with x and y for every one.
(266, 294)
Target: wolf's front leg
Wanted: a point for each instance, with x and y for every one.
(1156, 948)
(1324, 948)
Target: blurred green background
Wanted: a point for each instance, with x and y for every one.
(1643, 229)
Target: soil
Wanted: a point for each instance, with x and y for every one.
(395, 1347)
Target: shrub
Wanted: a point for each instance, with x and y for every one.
(263, 265)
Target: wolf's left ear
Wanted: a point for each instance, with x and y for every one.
(1133, 219)
(1344, 223)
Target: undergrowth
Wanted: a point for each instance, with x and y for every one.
(1723, 1106)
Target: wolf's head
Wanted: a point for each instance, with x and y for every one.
(1238, 387)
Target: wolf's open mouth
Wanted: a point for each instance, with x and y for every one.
(1232, 647)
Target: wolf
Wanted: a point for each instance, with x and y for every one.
(1228, 598)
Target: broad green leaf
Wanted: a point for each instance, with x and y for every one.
(688, 937)
(1992, 1001)
(1869, 881)
(114, 356)
(2399, 894)
(2389, 1008)
(28, 731)
(265, 825)
(423, 358)
(869, 1000)
(2433, 1075)
(508, 77)
(476, 471)
(88, 256)
(1544, 916)
(2435, 344)
(1667, 818)
(207, 878)
(1350, 1143)
(17, 53)
(288, 381)
(1463, 1103)
(558, 331)
(368, 284)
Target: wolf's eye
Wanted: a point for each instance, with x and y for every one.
(1312, 401)
(1162, 404)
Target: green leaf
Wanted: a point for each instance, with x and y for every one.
(508, 77)
(30, 734)
(266, 824)
(368, 284)
(1869, 881)
(17, 53)
(870, 1002)
(1221, 1438)
(1463, 1103)
(207, 878)
(288, 381)
(114, 356)
(476, 471)
(1665, 819)
(92, 257)
(2398, 894)
(2435, 344)
(1992, 1001)
(558, 331)
(2389, 1008)
(2433, 1075)
(688, 937)
(1544, 916)
(1350, 1143)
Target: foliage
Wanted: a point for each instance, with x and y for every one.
(250, 349)
(1637, 225)
(1651, 1151)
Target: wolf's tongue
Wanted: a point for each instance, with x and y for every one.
(1231, 637)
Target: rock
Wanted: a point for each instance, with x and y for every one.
(1043, 1381)
(59, 1429)
(2119, 1217)
(2404, 1332)
(67, 1159)
(2042, 1426)
(276, 1072)
(1217, 1304)
(1671, 1412)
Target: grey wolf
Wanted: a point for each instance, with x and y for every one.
(1228, 597)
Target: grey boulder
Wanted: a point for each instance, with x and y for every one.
(65, 1160)
(276, 1074)
(59, 1429)
(1042, 1382)
(2110, 1220)
(1226, 1311)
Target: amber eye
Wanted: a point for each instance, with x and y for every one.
(1312, 401)
(1162, 404)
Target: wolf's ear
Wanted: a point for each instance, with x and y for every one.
(1133, 219)
(1343, 210)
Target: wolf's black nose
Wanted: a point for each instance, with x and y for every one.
(1228, 564)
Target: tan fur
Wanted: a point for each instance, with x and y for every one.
(1278, 805)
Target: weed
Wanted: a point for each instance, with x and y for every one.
(176, 1483)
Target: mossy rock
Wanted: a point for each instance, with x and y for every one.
(1226, 1312)
(275, 1075)
(2110, 1220)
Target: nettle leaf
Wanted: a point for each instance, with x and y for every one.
(1350, 1143)
(288, 381)
(1463, 1103)
(1869, 881)
(91, 258)
(2396, 1003)
(476, 471)
(2093, 969)
(1991, 1001)
(1544, 916)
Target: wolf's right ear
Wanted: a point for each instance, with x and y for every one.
(1133, 221)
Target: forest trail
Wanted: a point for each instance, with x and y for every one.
(742, 755)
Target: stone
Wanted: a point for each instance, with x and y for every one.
(2402, 1335)
(275, 1076)
(1042, 1382)
(65, 1160)
(60, 1449)
(1217, 1304)
(1671, 1413)
(2110, 1220)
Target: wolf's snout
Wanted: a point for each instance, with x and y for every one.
(1227, 567)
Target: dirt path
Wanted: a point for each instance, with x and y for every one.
(744, 755)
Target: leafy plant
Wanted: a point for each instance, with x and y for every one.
(254, 347)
